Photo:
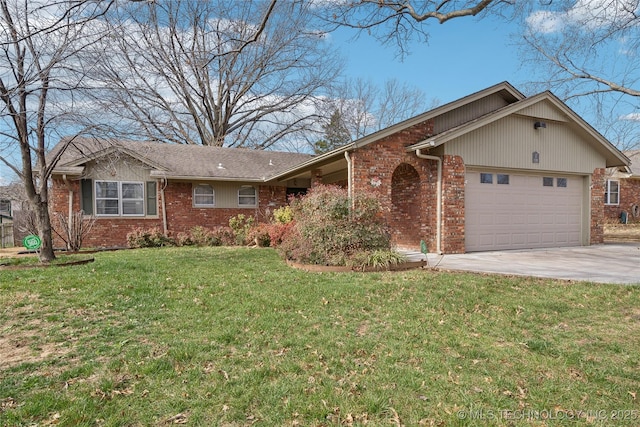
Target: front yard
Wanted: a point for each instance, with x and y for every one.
(232, 336)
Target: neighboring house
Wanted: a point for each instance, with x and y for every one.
(13, 214)
(622, 191)
(493, 170)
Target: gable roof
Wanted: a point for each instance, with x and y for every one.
(503, 89)
(613, 156)
(179, 161)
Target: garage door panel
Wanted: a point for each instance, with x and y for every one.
(522, 214)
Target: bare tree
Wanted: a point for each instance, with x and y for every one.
(364, 107)
(39, 72)
(220, 72)
(587, 53)
(402, 21)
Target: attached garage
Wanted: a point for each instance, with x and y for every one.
(507, 210)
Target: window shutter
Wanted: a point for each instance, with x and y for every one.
(86, 190)
(152, 204)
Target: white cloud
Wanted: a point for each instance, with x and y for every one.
(634, 117)
(590, 14)
(545, 22)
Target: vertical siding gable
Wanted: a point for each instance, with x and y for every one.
(469, 112)
(511, 141)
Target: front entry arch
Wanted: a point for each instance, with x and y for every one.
(406, 200)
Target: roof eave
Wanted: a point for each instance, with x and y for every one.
(164, 175)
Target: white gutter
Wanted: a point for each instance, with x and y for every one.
(165, 229)
(70, 215)
(349, 174)
(439, 198)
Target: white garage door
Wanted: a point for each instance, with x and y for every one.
(512, 211)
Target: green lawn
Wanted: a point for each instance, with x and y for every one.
(232, 336)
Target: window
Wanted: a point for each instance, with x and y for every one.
(547, 181)
(114, 198)
(486, 178)
(561, 182)
(612, 193)
(5, 207)
(503, 179)
(204, 196)
(247, 196)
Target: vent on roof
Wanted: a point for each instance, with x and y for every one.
(220, 166)
(271, 162)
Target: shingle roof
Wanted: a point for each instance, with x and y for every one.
(183, 161)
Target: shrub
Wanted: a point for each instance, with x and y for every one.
(329, 231)
(283, 215)
(149, 238)
(240, 225)
(259, 235)
(278, 231)
(378, 259)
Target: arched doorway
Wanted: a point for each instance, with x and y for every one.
(406, 201)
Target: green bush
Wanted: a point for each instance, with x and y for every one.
(330, 228)
(378, 259)
(240, 225)
(283, 215)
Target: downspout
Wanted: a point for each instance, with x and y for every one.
(70, 214)
(349, 177)
(439, 198)
(165, 229)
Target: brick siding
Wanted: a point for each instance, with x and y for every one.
(181, 215)
(629, 196)
(597, 206)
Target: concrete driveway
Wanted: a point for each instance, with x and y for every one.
(608, 263)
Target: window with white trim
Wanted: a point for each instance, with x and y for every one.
(204, 196)
(247, 196)
(116, 198)
(612, 193)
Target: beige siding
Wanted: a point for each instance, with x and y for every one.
(510, 143)
(541, 111)
(124, 169)
(468, 112)
(226, 193)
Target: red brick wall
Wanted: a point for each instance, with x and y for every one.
(453, 173)
(181, 215)
(597, 206)
(629, 196)
(385, 169)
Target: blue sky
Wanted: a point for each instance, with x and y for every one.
(462, 56)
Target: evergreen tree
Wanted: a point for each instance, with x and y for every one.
(335, 134)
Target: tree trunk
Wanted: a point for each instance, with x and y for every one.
(44, 229)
